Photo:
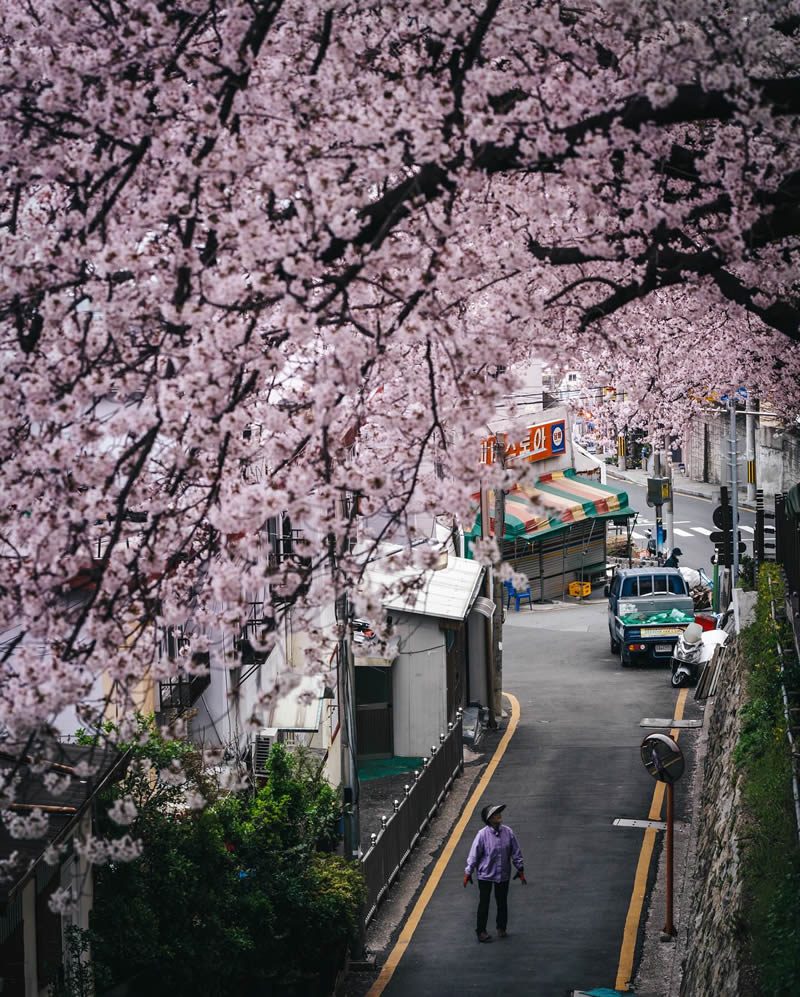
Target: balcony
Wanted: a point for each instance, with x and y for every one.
(183, 691)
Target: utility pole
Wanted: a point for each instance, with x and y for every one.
(349, 761)
(750, 450)
(349, 764)
(489, 593)
(660, 535)
(670, 528)
(734, 491)
(496, 693)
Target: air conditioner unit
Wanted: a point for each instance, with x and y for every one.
(262, 742)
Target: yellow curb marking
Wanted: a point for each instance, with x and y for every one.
(414, 917)
(625, 968)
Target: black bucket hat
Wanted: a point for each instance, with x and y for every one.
(489, 811)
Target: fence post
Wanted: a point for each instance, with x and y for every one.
(758, 539)
(390, 849)
(780, 523)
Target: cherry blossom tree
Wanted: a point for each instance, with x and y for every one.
(265, 258)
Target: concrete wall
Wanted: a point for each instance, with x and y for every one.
(715, 961)
(777, 453)
(419, 685)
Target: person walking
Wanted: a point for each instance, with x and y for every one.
(672, 560)
(493, 850)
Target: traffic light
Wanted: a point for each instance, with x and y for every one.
(723, 546)
(723, 538)
(723, 517)
(657, 491)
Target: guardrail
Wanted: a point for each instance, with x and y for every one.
(390, 849)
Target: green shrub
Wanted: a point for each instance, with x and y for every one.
(240, 897)
(770, 853)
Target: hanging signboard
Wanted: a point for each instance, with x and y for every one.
(548, 439)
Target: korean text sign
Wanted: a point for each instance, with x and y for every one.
(549, 439)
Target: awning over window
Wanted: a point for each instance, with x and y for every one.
(556, 502)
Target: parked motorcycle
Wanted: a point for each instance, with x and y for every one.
(687, 657)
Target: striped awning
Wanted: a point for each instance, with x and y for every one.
(556, 502)
(578, 497)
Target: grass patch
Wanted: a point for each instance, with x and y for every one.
(770, 852)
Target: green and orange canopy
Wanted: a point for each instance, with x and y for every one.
(556, 502)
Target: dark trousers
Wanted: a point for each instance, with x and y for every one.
(500, 896)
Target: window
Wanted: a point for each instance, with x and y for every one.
(630, 588)
(677, 585)
(645, 585)
(660, 583)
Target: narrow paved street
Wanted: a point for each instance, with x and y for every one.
(570, 769)
(692, 521)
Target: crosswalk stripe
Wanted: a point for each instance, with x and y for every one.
(681, 533)
(703, 530)
(748, 528)
(638, 536)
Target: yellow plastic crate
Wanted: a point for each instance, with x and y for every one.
(580, 588)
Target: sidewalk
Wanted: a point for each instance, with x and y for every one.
(681, 485)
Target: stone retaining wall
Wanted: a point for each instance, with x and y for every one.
(716, 953)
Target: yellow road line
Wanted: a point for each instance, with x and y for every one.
(414, 917)
(625, 967)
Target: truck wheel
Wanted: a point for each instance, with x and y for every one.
(614, 646)
(622, 661)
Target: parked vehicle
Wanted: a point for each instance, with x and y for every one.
(693, 650)
(648, 609)
(686, 661)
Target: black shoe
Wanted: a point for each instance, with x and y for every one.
(484, 936)
(502, 933)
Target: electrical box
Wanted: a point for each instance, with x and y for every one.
(658, 491)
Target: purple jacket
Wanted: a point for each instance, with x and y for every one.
(492, 853)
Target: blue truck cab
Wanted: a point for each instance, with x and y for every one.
(647, 610)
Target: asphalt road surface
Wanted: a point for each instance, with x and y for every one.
(692, 523)
(572, 766)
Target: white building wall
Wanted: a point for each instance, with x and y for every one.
(419, 691)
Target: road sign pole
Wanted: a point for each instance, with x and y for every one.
(734, 494)
(659, 532)
(715, 590)
(670, 509)
(664, 760)
(669, 927)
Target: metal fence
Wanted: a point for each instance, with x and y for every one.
(391, 847)
(787, 543)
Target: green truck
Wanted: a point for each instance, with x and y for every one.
(647, 610)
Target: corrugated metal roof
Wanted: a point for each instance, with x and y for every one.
(447, 593)
(301, 709)
(81, 769)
